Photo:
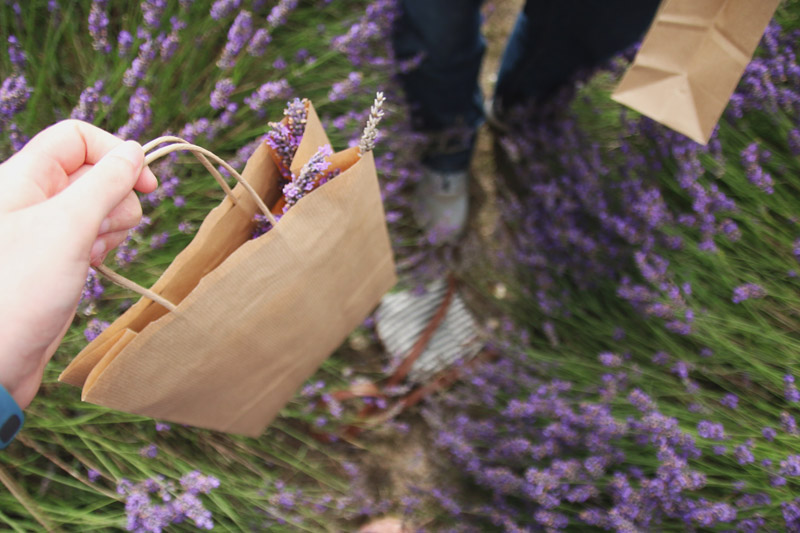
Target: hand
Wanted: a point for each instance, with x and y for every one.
(66, 200)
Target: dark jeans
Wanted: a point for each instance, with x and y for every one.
(551, 41)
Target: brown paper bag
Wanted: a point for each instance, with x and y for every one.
(253, 319)
(691, 61)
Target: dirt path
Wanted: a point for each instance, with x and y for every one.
(500, 18)
(395, 462)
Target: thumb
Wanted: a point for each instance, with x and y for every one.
(90, 198)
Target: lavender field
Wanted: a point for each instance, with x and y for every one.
(640, 292)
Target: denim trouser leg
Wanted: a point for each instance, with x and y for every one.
(443, 91)
(553, 39)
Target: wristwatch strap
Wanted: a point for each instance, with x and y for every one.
(11, 418)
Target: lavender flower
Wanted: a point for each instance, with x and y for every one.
(94, 329)
(16, 54)
(152, 10)
(98, 26)
(752, 159)
(222, 8)
(239, 35)
(278, 15)
(148, 51)
(743, 453)
(790, 392)
(139, 115)
(93, 475)
(310, 175)
(710, 430)
(169, 45)
(788, 423)
(258, 44)
(747, 291)
(220, 96)
(272, 90)
(89, 102)
(343, 89)
(14, 94)
(145, 515)
(730, 400)
(150, 451)
(124, 43)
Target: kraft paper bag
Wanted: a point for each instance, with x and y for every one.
(691, 61)
(253, 319)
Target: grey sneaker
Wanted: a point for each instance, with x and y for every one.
(442, 203)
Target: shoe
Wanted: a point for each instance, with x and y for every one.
(442, 203)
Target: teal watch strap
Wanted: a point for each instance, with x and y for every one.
(11, 418)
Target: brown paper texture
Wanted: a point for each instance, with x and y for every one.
(252, 329)
(691, 61)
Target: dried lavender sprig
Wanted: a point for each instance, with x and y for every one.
(370, 134)
(311, 172)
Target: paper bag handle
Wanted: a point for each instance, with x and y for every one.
(201, 154)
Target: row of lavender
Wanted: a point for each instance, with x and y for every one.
(648, 373)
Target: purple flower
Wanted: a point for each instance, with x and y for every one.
(220, 96)
(160, 426)
(150, 451)
(14, 94)
(98, 26)
(788, 423)
(343, 89)
(124, 43)
(196, 482)
(272, 90)
(730, 400)
(94, 329)
(258, 44)
(93, 475)
(159, 240)
(152, 10)
(309, 177)
(743, 453)
(794, 141)
(278, 15)
(223, 8)
(139, 115)
(16, 54)
(769, 433)
(710, 430)
(790, 391)
(609, 359)
(239, 35)
(89, 102)
(747, 292)
(752, 159)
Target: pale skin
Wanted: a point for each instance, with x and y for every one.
(67, 200)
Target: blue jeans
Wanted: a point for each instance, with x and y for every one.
(551, 41)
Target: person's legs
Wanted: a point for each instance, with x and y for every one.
(445, 103)
(553, 39)
(443, 90)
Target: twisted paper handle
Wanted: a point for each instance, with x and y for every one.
(202, 155)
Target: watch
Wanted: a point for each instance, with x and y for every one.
(11, 418)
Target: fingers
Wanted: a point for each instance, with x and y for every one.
(104, 244)
(92, 198)
(124, 216)
(55, 158)
(73, 143)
